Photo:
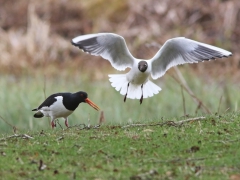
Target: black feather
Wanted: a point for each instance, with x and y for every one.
(38, 115)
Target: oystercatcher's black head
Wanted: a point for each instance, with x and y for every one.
(142, 66)
(83, 97)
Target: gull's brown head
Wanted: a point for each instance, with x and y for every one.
(142, 66)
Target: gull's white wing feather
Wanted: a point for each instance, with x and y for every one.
(108, 45)
(181, 50)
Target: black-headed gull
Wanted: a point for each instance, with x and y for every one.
(136, 84)
(62, 105)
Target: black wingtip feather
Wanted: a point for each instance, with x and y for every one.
(38, 115)
(79, 46)
(227, 55)
(73, 43)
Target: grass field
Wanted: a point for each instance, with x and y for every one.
(206, 149)
(160, 148)
(20, 94)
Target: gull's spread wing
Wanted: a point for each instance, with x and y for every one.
(181, 50)
(108, 45)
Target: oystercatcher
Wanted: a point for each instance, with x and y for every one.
(62, 105)
(136, 84)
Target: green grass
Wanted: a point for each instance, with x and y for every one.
(207, 149)
(20, 94)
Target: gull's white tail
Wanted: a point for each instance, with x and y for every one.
(120, 83)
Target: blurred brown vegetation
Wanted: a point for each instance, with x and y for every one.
(36, 33)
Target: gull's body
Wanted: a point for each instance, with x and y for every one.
(136, 84)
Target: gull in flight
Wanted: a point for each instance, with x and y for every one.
(136, 84)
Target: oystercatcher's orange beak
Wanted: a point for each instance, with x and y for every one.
(87, 100)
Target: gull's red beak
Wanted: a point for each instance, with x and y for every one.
(87, 100)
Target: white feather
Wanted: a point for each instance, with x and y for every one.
(134, 91)
(117, 80)
(120, 83)
(123, 90)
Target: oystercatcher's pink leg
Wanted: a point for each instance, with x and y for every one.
(53, 124)
(66, 122)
